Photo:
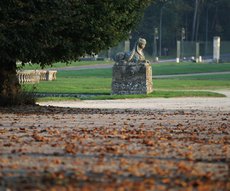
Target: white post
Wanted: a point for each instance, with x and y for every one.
(178, 52)
(216, 49)
(197, 52)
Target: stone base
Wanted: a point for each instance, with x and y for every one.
(132, 78)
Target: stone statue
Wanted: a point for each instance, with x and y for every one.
(135, 56)
(132, 74)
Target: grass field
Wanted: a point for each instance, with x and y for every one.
(99, 81)
(188, 68)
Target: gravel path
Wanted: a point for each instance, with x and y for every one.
(191, 103)
(51, 148)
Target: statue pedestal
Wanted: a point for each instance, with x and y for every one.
(132, 78)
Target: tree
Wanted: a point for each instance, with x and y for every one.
(201, 19)
(46, 31)
(167, 16)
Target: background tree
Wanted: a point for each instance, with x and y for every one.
(167, 16)
(202, 19)
(46, 31)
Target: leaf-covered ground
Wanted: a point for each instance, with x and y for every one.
(48, 148)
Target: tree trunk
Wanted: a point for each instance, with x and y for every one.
(195, 19)
(9, 84)
(197, 27)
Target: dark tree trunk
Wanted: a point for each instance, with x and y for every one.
(9, 85)
(195, 19)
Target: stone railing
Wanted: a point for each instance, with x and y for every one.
(34, 76)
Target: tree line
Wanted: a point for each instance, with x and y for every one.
(192, 20)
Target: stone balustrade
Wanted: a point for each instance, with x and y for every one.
(35, 76)
(51, 75)
(43, 74)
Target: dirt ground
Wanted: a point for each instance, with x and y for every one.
(51, 148)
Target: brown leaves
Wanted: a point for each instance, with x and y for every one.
(118, 150)
(183, 166)
(3, 131)
(7, 144)
(22, 129)
(148, 142)
(38, 137)
(70, 148)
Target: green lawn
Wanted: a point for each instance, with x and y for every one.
(188, 68)
(99, 81)
(103, 85)
(75, 85)
(186, 84)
